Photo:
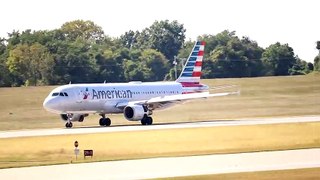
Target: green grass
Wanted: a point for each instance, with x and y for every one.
(21, 108)
(31, 151)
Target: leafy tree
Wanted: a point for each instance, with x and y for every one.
(253, 53)
(110, 65)
(310, 66)
(80, 52)
(4, 72)
(228, 56)
(14, 39)
(278, 59)
(156, 62)
(136, 71)
(30, 64)
(73, 62)
(164, 36)
(86, 30)
(300, 67)
(214, 41)
(5, 79)
(2, 46)
(317, 63)
(129, 39)
(28, 37)
(143, 39)
(317, 58)
(184, 53)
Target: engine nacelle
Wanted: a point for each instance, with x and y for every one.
(135, 112)
(75, 117)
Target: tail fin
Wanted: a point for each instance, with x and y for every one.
(191, 72)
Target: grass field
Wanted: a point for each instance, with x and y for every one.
(21, 108)
(158, 143)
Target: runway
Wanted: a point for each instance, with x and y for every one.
(215, 123)
(172, 167)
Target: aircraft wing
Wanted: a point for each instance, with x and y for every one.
(165, 101)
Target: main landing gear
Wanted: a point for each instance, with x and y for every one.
(147, 120)
(104, 121)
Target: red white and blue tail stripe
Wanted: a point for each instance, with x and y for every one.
(191, 73)
(192, 69)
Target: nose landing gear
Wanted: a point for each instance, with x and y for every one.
(69, 123)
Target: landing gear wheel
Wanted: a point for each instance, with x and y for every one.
(69, 125)
(146, 121)
(81, 118)
(101, 121)
(105, 122)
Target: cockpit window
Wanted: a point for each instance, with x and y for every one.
(60, 94)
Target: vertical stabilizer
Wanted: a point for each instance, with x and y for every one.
(191, 72)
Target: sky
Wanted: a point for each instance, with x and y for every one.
(295, 22)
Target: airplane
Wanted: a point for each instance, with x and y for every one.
(136, 100)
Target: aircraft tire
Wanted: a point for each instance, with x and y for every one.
(69, 125)
(105, 122)
(146, 121)
(81, 118)
(149, 120)
(101, 121)
(143, 121)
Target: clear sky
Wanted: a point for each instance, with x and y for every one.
(296, 22)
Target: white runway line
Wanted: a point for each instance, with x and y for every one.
(50, 132)
(172, 167)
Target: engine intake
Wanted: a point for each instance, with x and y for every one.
(135, 112)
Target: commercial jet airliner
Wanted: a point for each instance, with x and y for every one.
(136, 100)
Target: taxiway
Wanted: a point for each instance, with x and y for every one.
(172, 167)
(215, 123)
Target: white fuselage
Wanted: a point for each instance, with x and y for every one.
(105, 98)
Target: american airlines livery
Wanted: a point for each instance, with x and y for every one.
(136, 100)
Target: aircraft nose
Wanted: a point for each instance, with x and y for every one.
(51, 104)
(47, 104)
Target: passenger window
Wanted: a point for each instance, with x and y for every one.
(65, 94)
(61, 94)
(55, 94)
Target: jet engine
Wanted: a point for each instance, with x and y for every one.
(74, 117)
(135, 112)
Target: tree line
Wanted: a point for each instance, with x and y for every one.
(80, 52)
